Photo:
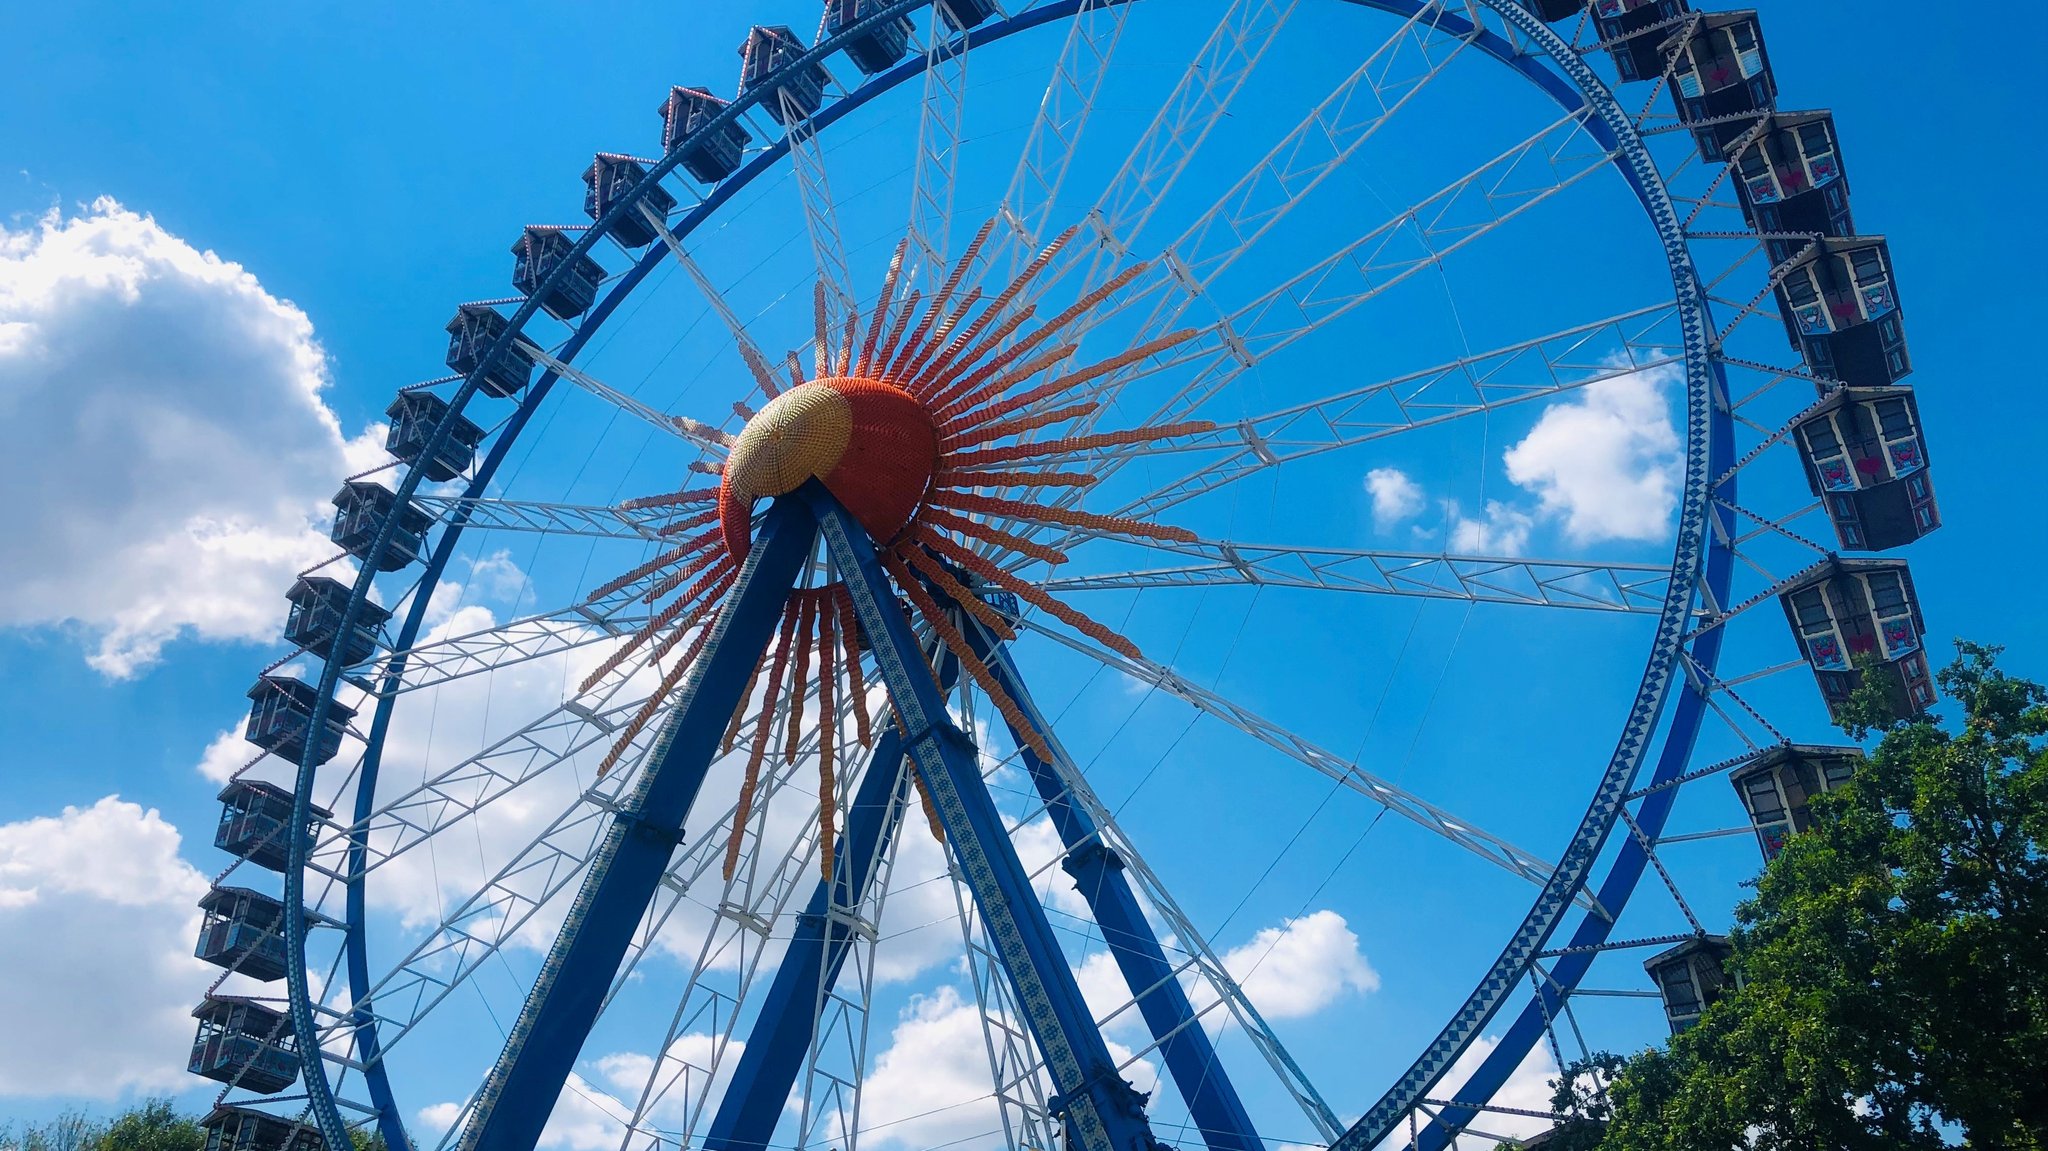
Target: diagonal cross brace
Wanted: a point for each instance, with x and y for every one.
(1100, 1111)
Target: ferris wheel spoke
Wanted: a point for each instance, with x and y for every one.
(750, 353)
(448, 797)
(702, 435)
(1055, 133)
(1459, 831)
(1321, 143)
(1454, 217)
(1641, 340)
(486, 513)
(821, 224)
(517, 641)
(939, 129)
(1088, 821)
(1580, 584)
(1199, 101)
(1422, 236)
(506, 907)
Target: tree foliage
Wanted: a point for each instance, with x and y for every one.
(1894, 961)
(152, 1125)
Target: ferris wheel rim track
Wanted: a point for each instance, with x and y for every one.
(1707, 425)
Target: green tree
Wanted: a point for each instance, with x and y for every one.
(1894, 960)
(69, 1131)
(153, 1126)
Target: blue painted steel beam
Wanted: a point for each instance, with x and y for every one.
(559, 1012)
(782, 1032)
(1098, 872)
(1100, 1111)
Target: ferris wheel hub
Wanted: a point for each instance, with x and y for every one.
(870, 442)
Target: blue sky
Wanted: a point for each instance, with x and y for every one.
(369, 167)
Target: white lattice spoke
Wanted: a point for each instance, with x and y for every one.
(1197, 103)
(1317, 146)
(439, 660)
(749, 351)
(821, 216)
(1063, 113)
(1589, 585)
(484, 513)
(938, 155)
(702, 435)
(1461, 832)
(1641, 340)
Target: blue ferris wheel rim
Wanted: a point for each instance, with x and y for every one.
(1700, 557)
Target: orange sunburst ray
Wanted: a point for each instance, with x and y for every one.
(958, 645)
(764, 727)
(915, 415)
(1027, 423)
(980, 479)
(1062, 517)
(951, 397)
(988, 533)
(1070, 381)
(1028, 592)
(881, 313)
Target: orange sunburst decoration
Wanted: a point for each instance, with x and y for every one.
(908, 432)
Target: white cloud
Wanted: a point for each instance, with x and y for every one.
(438, 1117)
(97, 919)
(1395, 497)
(930, 1088)
(1501, 531)
(1606, 461)
(1300, 967)
(164, 411)
(1527, 1089)
(585, 1118)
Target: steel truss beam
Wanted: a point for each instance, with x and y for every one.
(1458, 830)
(1593, 586)
(1535, 369)
(548, 518)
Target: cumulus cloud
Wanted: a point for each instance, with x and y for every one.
(97, 918)
(1606, 461)
(1301, 967)
(166, 413)
(1395, 496)
(1501, 530)
(1527, 1089)
(930, 1087)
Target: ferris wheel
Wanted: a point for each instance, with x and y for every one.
(918, 523)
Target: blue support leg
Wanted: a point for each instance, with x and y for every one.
(1098, 871)
(1100, 1111)
(559, 1012)
(782, 1032)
